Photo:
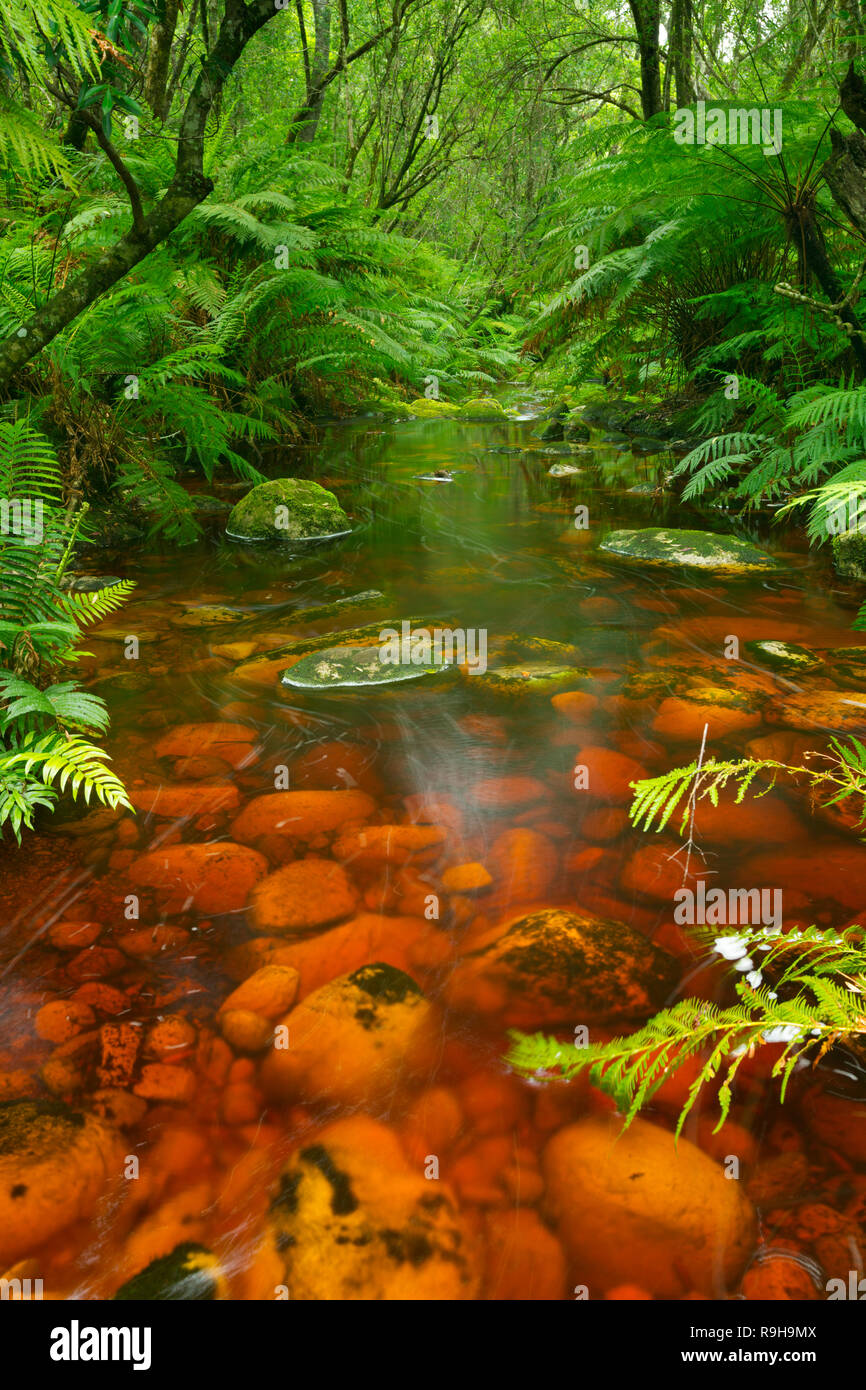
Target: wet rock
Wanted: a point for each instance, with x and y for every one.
(523, 864)
(609, 775)
(425, 408)
(55, 1163)
(302, 896)
(766, 819)
(782, 656)
(839, 1122)
(340, 668)
(557, 967)
(287, 509)
(377, 845)
(482, 409)
(207, 615)
(635, 1207)
(563, 470)
(525, 1261)
(350, 1219)
(300, 815)
(88, 583)
(270, 991)
(693, 549)
(185, 801)
(501, 793)
(839, 711)
(356, 1040)
(190, 1274)
(655, 870)
(724, 711)
(781, 1275)
(366, 598)
(207, 878)
(849, 555)
(466, 878)
(833, 871)
(404, 942)
(643, 445)
(575, 431)
(519, 680)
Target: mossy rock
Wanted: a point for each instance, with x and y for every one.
(521, 680)
(644, 445)
(191, 1273)
(202, 502)
(55, 1164)
(368, 597)
(553, 432)
(614, 437)
(287, 509)
(563, 470)
(482, 408)
(575, 431)
(426, 408)
(849, 555)
(348, 667)
(657, 545)
(783, 656)
(88, 583)
(208, 615)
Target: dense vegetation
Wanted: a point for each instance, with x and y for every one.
(223, 219)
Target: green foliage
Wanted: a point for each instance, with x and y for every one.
(44, 723)
(816, 1000)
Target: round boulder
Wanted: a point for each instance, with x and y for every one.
(287, 509)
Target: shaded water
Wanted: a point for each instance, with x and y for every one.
(495, 550)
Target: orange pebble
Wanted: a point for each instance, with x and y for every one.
(63, 1019)
(73, 936)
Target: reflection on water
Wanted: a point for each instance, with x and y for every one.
(477, 780)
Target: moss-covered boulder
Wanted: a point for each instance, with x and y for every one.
(191, 1273)
(555, 966)
(783, 656)
(426, 408)
(55, 1163)
(657, 545)
(482, 408)
(287, 509)
(575, 431)
(849, 554)
(511, 681)
(643, 445)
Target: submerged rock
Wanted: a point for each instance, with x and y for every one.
(287, 509)
(356, 1040)
(300, 815)
(302, 896)
(207, 878)
(207, 615)
(350, 1219)
(191, 1273)
(88, 583)
(557, 967)
(55, 1163)
(519, 680)
(839, 711)
(636, 1207)
(783, 656)
(697, 549)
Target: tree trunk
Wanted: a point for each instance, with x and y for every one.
(158, 55)
(646, 22)
(319, 64)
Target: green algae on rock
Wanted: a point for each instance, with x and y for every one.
(287, 509)
(783, 656)
(563, 470)
(482, 409)
(190, 1273)
(555, 966)
(518, 680)
(692, 549)
(345, 667)
(426, 408)
(849, 554)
